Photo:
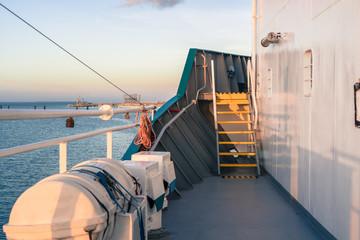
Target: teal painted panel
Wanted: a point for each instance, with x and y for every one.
(182, 85)
(159, 202)
(172, 185)
(180, 93)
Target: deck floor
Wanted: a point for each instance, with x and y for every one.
(235, 209)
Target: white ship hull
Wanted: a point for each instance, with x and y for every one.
(306, 119)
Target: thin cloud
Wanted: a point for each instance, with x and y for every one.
(156, 3)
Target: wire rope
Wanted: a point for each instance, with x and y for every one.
(69, 53)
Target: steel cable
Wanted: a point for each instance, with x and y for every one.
(69, 53)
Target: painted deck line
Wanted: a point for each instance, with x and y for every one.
(221, 208)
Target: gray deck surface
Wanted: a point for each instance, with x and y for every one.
(235, 209)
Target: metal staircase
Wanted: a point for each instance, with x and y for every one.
(236, 141)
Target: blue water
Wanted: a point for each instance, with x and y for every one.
(21, 171)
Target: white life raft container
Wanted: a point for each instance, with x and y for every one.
(79, 205)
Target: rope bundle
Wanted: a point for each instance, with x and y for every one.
(146, 132)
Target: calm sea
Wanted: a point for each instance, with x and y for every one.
(21, 171)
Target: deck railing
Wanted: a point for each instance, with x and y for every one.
(23, 114)
(62, 142)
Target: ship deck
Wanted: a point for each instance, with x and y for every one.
(236, 209)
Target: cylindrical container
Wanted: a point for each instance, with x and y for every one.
(71, 205)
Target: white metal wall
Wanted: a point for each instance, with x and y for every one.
(310, 144)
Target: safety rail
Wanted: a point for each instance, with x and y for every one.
(251, 90)
(23, 114)
(105, 114)
(158, 138)
(62, 142)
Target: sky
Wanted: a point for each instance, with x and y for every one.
(139, 45)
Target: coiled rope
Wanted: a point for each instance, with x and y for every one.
(146, 135)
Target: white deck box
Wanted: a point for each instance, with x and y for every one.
(166, 168)
(151, 181)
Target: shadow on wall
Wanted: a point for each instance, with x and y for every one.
(330, 192)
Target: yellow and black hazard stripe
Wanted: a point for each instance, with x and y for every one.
(239, 176)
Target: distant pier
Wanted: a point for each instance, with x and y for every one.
(118, 105)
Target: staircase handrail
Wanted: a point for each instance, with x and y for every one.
(167, 125)
(251, 89)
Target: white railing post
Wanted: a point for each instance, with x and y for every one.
(215, 115)
(62, 157)
(109, 144)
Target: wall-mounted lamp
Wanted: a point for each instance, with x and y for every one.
(270, 38)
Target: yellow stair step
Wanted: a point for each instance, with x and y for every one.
(237, 153)
(235, 132)
(237, 165)
(236, 142)
(232, 112)
(231, 96)
(234, 121)
(234, 101)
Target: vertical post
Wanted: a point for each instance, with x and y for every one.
(109, 144)
(62, 157)
(254, 64)
(252, 119)
(152, 114)
(252, 93)
(254, 38)
(215, 114)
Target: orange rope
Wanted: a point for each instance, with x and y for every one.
(144, 135)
